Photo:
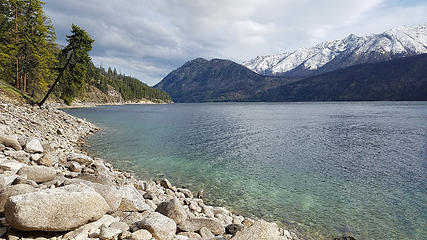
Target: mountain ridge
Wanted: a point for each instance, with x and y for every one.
(201, 80)
(332, 55)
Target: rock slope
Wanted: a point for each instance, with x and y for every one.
(50, 189)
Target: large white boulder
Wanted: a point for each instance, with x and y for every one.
(59, 209)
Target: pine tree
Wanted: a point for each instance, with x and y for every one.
(76, 57)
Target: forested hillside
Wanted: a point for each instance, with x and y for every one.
(31, 61)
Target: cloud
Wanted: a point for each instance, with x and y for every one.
(149, 38)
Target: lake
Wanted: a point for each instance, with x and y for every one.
(320, 169)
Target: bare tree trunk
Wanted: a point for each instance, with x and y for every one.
(25, 82)
(56, 81)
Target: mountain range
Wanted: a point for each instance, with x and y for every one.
(387, 66)
(332, 55)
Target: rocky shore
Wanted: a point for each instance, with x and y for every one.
(51, 189)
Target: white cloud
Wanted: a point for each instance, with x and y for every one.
(149, 38)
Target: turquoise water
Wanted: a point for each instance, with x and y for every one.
(321, 169)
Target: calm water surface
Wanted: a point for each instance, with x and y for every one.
(321, 169)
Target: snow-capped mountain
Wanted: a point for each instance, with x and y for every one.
(331, 55)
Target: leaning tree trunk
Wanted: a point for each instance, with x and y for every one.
(56, 81)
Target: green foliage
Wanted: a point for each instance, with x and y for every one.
(30, 58)
(27, 48)
(77, 51)
(130, 88)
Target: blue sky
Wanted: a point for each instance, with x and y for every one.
(149, 38)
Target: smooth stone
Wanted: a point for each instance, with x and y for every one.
(11, 165)
(6, 180)
(195, 224)
(59, 209)
(75, 167)
(133, 218)
(10, 142)
(13, 190)
(2, 147)
(38, 174)
(96, 178)
(160, 226)
(141, 234)
(191, 235)
(122, 226)
(33, 146)
(132, 200)
(48, 159)
(111, 194)
(80, 158)
(89, 229)
(206, 233)
(260, 230)
(173, 209)
(35, 157)
(108, 233)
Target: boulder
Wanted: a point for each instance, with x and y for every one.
(187, 193)
(20, 156)
(10, 142)
(38, 174)
(173, 209)
(11, 166)
(33, 146)
(132, 200)
(111, 194)
(108, 233)
(80, 158)
(6, 180)
(133, 218)
(166, 184)
(89, 229)
(96, 178)
(75, 167)
(206, 233)
(122, 226)
(58, 209)
(48, 159)
(141, 235)
(13, 190)
(160, 226)
(195, 224)
(191, 235)
(260, 230)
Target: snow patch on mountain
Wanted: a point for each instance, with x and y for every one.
(396, 42)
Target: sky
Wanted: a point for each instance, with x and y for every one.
(147, 39)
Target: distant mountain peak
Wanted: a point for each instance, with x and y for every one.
(332, 55)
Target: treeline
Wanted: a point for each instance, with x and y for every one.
(130, 88)
(32, 62)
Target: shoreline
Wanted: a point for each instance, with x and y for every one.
(133, 208)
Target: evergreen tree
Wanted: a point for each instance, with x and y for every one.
(76, 54)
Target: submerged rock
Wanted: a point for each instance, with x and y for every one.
(59, 209)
